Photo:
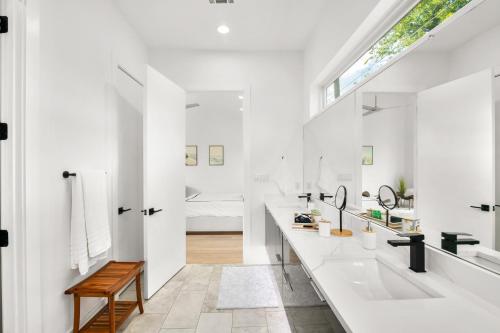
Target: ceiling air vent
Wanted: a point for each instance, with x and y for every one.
(221, 1)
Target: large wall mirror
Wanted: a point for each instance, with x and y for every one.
(426, 128)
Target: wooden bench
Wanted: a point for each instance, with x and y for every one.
(106, 282)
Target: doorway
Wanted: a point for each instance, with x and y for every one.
(214, 177)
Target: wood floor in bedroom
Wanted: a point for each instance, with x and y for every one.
(215, 249)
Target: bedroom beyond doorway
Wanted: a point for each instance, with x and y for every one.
(214, 177)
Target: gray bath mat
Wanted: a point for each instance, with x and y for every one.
(247, 287)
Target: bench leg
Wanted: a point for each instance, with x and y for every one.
(138, 292)
(111, 309)
(76, 317)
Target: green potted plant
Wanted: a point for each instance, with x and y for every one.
(402, 187)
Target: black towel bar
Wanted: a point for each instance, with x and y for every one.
(67, 174)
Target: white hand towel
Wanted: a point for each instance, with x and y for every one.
(78, 252)
(95, 197)
(90, 234)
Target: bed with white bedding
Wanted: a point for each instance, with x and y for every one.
(214, 212)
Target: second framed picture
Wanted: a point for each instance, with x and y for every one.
(216, 155)
(191, 155)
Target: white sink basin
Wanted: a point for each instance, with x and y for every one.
(374, 280)
(485, 258)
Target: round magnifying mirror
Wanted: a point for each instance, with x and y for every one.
(340, 204)
(388, 199)
(341, 198)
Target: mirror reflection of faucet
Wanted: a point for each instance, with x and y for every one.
(323, 196)
(450, 241)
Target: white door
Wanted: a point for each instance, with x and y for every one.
(164, 184)
(129, 173)
(455, 164)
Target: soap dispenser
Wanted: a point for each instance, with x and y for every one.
(369, 237)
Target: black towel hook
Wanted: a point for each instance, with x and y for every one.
(67, 174)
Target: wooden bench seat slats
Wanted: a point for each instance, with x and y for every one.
(108, 280)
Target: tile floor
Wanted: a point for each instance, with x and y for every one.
(187, 304)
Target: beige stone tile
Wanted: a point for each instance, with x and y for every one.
(216, 273)
(215, 322)
(186, 310)
(198, 279)
(278, 318)
(249, 318)
(279, 308)
(183, 274)
(177, 330)
(163, 300)
(145, 323)
(212, 298)
(284, 328)
(249, 330)
(128, 295)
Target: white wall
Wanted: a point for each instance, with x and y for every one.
(477, 54)
(72, 130)
(217, 121)
(391, 132)
(274, 123)
(334, 136)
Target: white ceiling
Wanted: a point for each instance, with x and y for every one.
(254, 24)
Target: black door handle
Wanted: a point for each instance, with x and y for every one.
(4, 238)
(152, 211)
(484, 208)
(122, 210)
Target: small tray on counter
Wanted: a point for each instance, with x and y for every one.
(305, 226)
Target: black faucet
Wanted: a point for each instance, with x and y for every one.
(306, 196)
(323, 196)
(417, 250)
(450, 241)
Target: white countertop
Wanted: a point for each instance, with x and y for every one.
(456, 311)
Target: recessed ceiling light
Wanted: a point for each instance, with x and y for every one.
(223, 29)
(240, 97)
(241, 109)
